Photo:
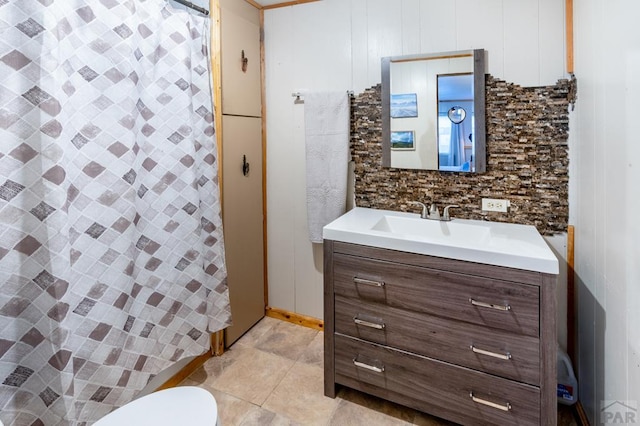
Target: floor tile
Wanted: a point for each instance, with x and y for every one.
(213, 368)
(314, 352)
(273, 376)
(286, 339)
(253, 375)
(232, 410)
(251, 337)
(264, 417)
(300, 396)
(357, 408)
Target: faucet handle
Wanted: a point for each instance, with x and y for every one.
(445, 214)
(425, 212)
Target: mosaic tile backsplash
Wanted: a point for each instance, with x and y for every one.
(527, 159)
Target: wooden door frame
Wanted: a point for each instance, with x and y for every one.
(217, 338)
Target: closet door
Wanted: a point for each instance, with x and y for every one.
(240, 25)
(242, 144)
(243, 221)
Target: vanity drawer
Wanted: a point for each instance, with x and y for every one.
(499, 352)
(455, 393)
(489, 302)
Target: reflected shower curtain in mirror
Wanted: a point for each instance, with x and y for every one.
(111, 245)
(456, 145)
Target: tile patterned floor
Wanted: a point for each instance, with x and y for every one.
(273, 375)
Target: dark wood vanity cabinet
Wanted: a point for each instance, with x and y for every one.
(467, 342)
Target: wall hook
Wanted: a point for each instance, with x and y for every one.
(245, 165)
(245, 62)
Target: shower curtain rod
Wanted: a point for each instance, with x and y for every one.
(193, 6)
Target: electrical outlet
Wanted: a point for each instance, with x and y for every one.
(494, 205)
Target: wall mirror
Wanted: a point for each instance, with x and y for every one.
(433, 112)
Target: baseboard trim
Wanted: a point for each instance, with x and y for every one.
(581, 415)
(217, 343)
(295, 318)
(217, 349)
(186, 371)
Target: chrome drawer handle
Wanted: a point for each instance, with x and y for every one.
(505, 407)
(367, 366)
(368, 282)
(368, 323)
(506, 356)
(490, 305)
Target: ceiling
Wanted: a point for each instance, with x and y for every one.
(455, 87)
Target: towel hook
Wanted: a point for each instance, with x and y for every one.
(245, 166)
(245, 62)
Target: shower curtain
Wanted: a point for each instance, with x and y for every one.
(111, 247)
(456, 145)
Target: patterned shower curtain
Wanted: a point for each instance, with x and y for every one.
(111, 250)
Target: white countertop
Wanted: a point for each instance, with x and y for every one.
(492, 243)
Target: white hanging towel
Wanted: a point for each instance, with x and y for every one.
(326, 123)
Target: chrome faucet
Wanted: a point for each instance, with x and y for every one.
(445, 214)
(424, 214)
(432, 211)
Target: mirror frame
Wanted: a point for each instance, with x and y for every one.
(479, 132)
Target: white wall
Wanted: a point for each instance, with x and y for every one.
(337, 45)
(605, 200)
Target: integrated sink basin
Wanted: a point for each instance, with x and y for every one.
(457, 232)
(493, 243)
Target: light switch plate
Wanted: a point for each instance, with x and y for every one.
(495, 205)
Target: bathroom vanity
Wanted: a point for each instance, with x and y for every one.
(455, 319)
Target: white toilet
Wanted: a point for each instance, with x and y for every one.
(184, 405)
